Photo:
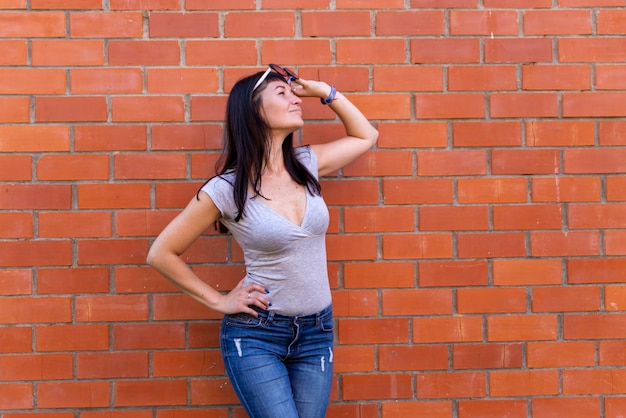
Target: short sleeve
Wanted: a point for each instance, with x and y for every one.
(220, 190)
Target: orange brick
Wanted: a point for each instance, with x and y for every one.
(411, 78)
(612, 133)
(70, 109)
(587, 406)
(432, 357)
(179, 307)
(524, 105)
(615, 242)
(73, 167)
(579, 49)
(449, 106)
(496, 300)
(381, 163)
(144, 336)
(452, 273)
(74, 280)
(146, 108)
(556, 77)
(487, 356)
(431, 409)
(444, 50)
(596, 216)
(110, 137)
(522, 328)
(118, 196)
(492, 190)
(492, 77)
(491, 245)
(14, 109)
(547, 299)
(72, 337)
(373, 331)
(610, 77)
(379, 274)
(447, 329)
(558, 244)
(528, 161)
(35, 253)
(493, 408)
(32, 81)
(412, 134)
(299, 51)
(602, 103)
(410, 22)
(557, 22)
(16, 225)
(561, 354)
(106, 81)
(598, 381)
(187, 363)
(450, 163)
(378, 386)
(250, 25)
(146, 53)
(353, 358)
(221, 52)
(611, 353)
(524, 383)
(14, 52)
(32, 24)
(338, 23)
(67, 53)
(520, 50)
(486, 134)
(417, 246)
(566, 189)
(16, 396)
(450, 218)
(149, 166)
(111, 308)
(182, 80)
(416, 302)
(74, 224)
(106, 25)
(183, 25)
(485, 23)
(15, 282)
(113, 251)
(452, 385)
(36, 367)
(355, 303)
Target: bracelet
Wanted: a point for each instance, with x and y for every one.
(331, 96)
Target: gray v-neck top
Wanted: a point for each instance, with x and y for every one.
(287, 259)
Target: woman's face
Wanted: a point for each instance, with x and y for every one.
(281, 107)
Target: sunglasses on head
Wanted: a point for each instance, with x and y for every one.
(287, 74)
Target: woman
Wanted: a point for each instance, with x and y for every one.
(277, 332)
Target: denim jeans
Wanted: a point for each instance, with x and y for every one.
(280, 366)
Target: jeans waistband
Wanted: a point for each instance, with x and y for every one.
(324, 314)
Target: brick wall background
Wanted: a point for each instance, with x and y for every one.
(477, 255)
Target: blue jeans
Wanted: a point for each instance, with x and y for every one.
(280, 366)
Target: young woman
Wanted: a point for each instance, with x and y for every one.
(277, 332)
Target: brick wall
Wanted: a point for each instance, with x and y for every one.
(477, 255)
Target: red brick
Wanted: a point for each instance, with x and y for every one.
(487, 134)
(338, 23)
(14, 109)
(492, 190)
(615, 242)
(413, 358)
(373, 331)
(486, 23)
(73, 167)
(148, 336)
(447, 329)
(141, 5)
(250, 25)
(16, 339)
(72, 337)
(144, 52)
(522, 328)
(70, 109)
(149, 166)
(527, 217)
(583, 407)
(175, 195)
(111, 365)
(72, 281)
(379, 219)
(417, 246)
(426, 409)
(444, 51)
(560, 354)
(611, 353)
(559, 244)
(450, 218)
(32, 24)
(491, 245)
(482, 78)
(417, 191)
(591, 49)
(355, 303)
(189, 363)
(221, 52)
(486, 300)
(452, 385)
(15, 282)
(409, 22)
(182, 80)
(183, 25)
(518, 50)
(610, 77)
(73, 394)
(353, 358)
(112, 308)
(527, 272)
(109, 138)
(65, 4)
(67, 52)
(26, 310)
(212, 391)
(74, 224)
(28, 138)
(113, 251)
(487, 356)
(597, 381)
(16, 396)
(412, 134)
(381, 163)
(557, 22)
(36, 367)
(526, 161)
(15, 52)
(35, 253)
(106, 25)
(612, 133)
(113, 196)
(150, 392)
(556, 77)
(416, 302)
(524, 383)
(383, 106)
(450, 163)
(525, 105)
(596, 216)
(614, 407)
(449, 106)
(378, 386)
(147, 108)
(452, 273)
(601, 160)
(493, 408)
(601, 270)
(560, 133)
(374, 4)
(299, 51)
(574, 299)
(566, 189)
(379, 274)
(594, 104)
(135, 413)
(106, 81)
(16, 225)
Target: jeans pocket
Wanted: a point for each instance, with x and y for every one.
(242, 320)
(327, 324)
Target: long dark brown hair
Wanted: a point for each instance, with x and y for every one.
(247, 144)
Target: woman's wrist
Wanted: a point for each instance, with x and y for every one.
(331, 96)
